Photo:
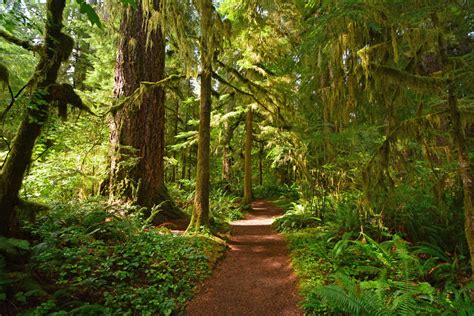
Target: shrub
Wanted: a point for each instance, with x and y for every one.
(276, 191)
(365, 277)
(298, 216)
(91, 260)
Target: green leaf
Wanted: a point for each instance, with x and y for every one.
(88, 10)
(9, 243)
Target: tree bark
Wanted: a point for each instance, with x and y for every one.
(260, 165)
(138, 130)
(248, 158)
(465, 172)
(56, 49)
(228, 133)
(175, 133)
(200, 216)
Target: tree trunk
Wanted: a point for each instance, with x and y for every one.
(248, 158)
(175, 133)
(57, 48)
(466, 173)
(138, 129)
(228, 133)
(200, 216)
(260, 165)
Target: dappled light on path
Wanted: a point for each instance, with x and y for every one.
(255, 277)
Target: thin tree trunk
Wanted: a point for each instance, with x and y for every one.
(466, 174)
(328, 149)
(175, 155)
(228, 133)
(138, 130)
(56, 50)
(200, 216)
(248, 158)
(260, 164)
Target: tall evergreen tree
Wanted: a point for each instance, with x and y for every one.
(138, 128)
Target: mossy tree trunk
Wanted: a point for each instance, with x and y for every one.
(466, 172)
(228, 133)
(138, 129)
(175, 133)
(260, 163)
(248, 157)
(200, 216)
(57, 48)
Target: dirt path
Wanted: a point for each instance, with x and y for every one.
(255, 277)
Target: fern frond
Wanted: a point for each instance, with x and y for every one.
(337, 298)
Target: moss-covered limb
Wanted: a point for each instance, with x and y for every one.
(64, 94)
(250, 84)
(145, 86)
(162, 82)
(227, 83)
(254, 89)
(423, 83)
(11, 176)
(19, 42)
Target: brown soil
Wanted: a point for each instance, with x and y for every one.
(255, 277)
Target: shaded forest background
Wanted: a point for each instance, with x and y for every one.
(119, 116)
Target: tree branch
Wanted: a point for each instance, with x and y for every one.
(227, 83)
(250, 84)
(12, 102)
(22, 43)
(144, 86)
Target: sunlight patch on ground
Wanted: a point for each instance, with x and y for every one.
(254, 222)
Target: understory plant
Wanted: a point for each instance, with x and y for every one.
(358, 275)
(85, 258)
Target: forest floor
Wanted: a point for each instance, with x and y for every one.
(255, 277)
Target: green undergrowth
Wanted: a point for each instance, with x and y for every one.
(357, 275)
(343, 270)
(224, 206)
(85, 259)
(276, 192)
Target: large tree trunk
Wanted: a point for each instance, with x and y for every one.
(248, 158)
(200, 216)
(138, 130)
(57, 47)
(466, 173)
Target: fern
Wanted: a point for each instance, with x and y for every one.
(338, 299)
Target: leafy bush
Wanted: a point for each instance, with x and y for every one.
(92, 260)
(410, 208)
(366, 277)
(275, 191)
(224, 207)
(297, 217)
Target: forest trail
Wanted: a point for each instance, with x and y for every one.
(255, 277)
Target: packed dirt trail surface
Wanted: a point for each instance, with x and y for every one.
(255, 277)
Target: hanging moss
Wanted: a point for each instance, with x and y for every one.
(396, 76)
